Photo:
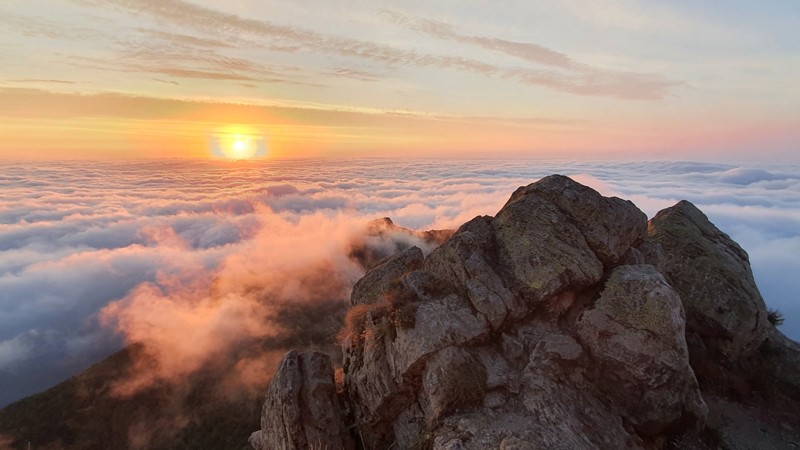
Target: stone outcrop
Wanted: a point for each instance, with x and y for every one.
(713, 277)
(302, 410)
(560, 323)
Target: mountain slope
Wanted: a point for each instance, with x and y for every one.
(84, 413)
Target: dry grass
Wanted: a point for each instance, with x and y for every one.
(355, 321)
(396, 309)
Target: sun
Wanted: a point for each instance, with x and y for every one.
(237, 143)
(238, 147)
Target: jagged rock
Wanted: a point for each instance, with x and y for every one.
(381, 369)
(563, 322)
(452, 379)
(713, 277)
(301, 409)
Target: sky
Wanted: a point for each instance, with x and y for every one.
(197, 256)
(600, 79)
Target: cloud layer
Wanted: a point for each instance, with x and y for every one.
(198, 257)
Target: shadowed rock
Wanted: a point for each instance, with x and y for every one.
(301, 410)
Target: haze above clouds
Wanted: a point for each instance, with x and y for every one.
(199, 256)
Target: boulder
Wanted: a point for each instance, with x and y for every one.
(610, 225)
(556, 233)
(469, 260)
(712, 275)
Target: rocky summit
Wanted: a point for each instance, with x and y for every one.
(566, 321)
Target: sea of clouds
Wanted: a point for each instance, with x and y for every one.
(196, 257)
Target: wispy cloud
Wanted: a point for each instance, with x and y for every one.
(524, 50)
(21, 102)
(360, 75)
(577, 78)
(39, 80)
(184, 39)
(574, 78)
(38, 27)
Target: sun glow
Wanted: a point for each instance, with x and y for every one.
(237, 143)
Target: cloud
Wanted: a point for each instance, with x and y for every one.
(39, 80)
(743, 175)
(576, 78)
(218, 26)
(178, 252)
(292, 269)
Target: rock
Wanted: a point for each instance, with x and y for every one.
(556, 233)
(381, 373)
(301, 409)
(468, 259)
(652, 253)
(712, 275)
(567, 410)
(420, 376)
(779, 364)
(452, 379)
(383, 238)
(255, 440)
(377, 282)
(733, 347)
(610, 225)
(542, 249)
(636, 333)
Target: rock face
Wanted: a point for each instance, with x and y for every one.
(302, 410)
(560, 323)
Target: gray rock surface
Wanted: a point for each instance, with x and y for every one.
(713, 278)
(635, 331)
(301, 409)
